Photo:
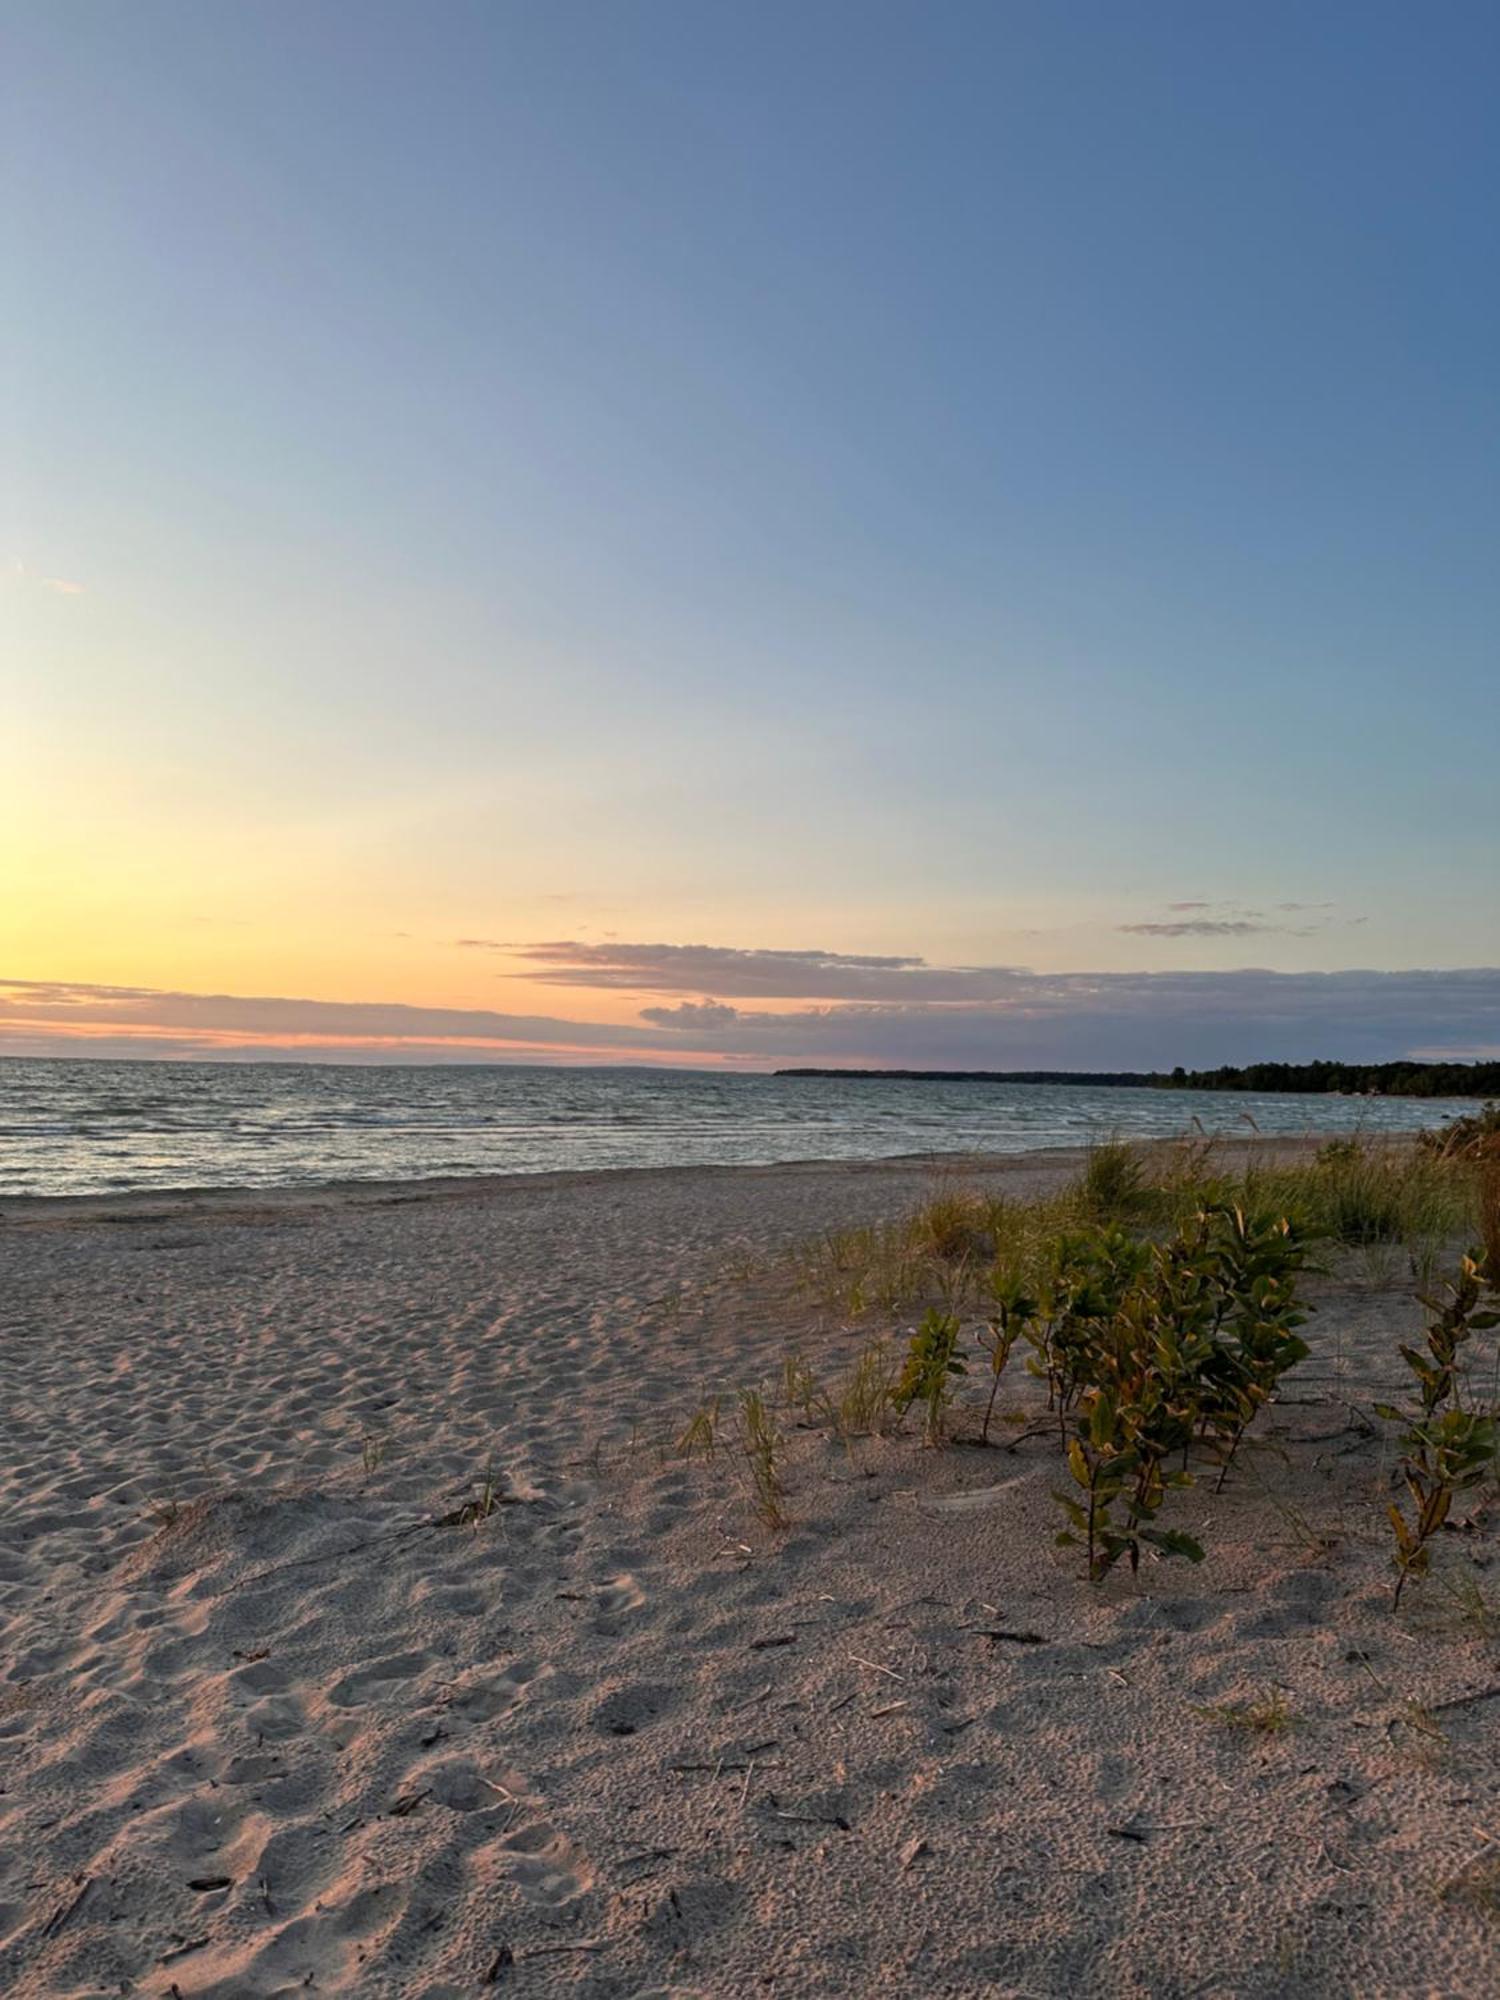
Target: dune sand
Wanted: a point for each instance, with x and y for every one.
(270, 1724)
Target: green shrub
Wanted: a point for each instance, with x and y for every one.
(932, 1360)
(1157, 1347)
(1012, 1312)
(1445, 1447)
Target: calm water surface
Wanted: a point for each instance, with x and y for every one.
(104, 1127)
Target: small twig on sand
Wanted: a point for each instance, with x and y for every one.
(648, 1854)
(1135, 1829)
(1041, 1431)
(336, 1555)
(721, 1769)
(62, 1913)
(1464, 1700)
(182, 1950)
(875, 1667)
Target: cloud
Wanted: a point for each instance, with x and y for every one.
(1147, 1020)
(60, 586)
(1201, 927)
(692, 1014)
(727, 972)
(215, 1021)
(1223, 919)
(750, 974)
(1013, 1019)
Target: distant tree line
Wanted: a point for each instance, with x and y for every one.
(1388, 1079)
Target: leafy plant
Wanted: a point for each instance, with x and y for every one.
(1454, 1450)
(1012, 1310)
(1446, 1448)
(1158, 1346)
(1255, 1262)
(1090, 1274)
(932, 1360)
(1119, 1452)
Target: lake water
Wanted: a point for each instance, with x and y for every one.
(103, 1127)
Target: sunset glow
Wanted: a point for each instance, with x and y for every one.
(715, 497)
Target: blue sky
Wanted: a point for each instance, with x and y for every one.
(1007, 485)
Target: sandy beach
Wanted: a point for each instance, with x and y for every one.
(279, 1714)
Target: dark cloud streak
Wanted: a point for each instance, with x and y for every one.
(993, 1018)
(1203, 927)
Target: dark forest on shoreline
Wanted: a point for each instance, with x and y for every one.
(1388, 1079)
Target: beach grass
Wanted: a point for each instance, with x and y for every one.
(1157, 1294)
(1374, 1198)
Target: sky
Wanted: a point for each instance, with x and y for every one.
(936, 534)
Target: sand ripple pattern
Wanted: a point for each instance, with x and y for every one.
(277, 1715)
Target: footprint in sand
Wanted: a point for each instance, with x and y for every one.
(276, 1717)
(462, 1787)
(618, 1595)
(258, 1677)
(629, 1709)
(482, 1701)
(378, 1681)
(545, 1865)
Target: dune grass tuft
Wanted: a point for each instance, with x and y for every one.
(1271, 1715)
(1378, 1199)
(1113, 1185)
(761, 1443)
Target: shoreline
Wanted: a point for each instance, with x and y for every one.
(382, 1191)
(165, 1204)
